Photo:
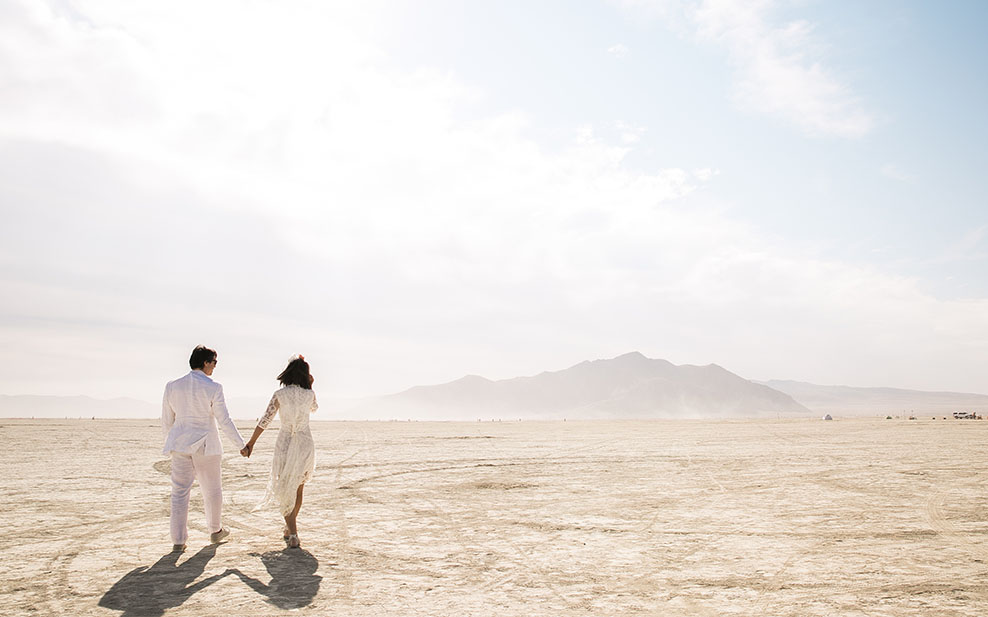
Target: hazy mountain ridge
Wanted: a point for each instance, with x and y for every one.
(629, 386)
(850, 399)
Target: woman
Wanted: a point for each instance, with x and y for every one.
(294, 453)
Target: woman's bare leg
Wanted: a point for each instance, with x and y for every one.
(291, 518)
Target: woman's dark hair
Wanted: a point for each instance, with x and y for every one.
(296, 374)
(200, 356)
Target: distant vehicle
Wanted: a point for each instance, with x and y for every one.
(966, 415)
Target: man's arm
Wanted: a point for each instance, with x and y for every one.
(223, 418)
(167, 414)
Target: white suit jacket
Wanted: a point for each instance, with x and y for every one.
(190, 409)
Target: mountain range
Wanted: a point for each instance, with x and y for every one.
(856, 401)
(628, 386)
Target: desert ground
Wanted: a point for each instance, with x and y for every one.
(861, 516)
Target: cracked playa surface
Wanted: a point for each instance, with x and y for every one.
(785, 517)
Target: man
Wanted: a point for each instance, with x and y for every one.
(191, 407)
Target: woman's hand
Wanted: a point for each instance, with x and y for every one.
(247, 450)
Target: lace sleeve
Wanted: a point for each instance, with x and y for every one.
(269, 413)
(315, 405)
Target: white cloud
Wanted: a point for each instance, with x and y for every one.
(779, 69)
(362, 173)
(892, 171)
(619, 50)
(629, 133)
(970, 247)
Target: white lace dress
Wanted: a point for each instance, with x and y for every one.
(294, 452)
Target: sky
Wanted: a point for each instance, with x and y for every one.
(408, 192)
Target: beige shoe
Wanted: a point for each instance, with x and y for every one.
(292, 540)
(219, 535)
(178, 548)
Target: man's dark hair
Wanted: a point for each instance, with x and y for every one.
(296, 374)
(200, 356)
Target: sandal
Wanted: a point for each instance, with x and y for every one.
(292, 540)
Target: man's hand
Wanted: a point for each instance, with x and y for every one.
(246, 450)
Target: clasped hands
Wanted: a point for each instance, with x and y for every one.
(246, 450)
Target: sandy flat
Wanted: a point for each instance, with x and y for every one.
(786, 517)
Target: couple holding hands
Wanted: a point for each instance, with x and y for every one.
(192, 407)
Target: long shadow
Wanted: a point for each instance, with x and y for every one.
(148, 592)
(294, 583)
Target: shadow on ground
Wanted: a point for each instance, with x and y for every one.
(294, 582)
(148, 592)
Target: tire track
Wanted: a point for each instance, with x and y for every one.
(58, 565)
(523, 562)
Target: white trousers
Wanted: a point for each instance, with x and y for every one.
(187, 468)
